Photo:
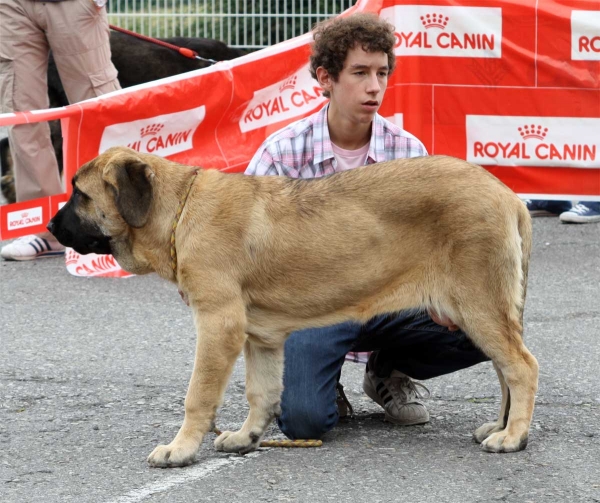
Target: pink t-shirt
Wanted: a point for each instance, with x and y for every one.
(350, 159)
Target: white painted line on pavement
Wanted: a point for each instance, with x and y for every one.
(181, 476)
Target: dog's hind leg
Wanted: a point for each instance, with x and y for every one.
(221, 335)
(264, 376)
(490, 307)
(487, 429)
(521, 376)
(502, 342)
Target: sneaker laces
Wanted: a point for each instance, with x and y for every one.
(580, 209)
(407, 388)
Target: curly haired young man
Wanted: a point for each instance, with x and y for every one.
(352, 59)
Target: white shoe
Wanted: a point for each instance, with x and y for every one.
(398, 396)
(32, 247)
(580, 214)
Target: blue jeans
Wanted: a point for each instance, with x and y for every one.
(409, 342)
(556, 207)
(559, 206)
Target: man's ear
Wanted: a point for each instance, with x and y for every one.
(324, 78)
(130, 178)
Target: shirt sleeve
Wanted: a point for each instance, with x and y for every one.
(421, 150)
(262, 163)
(415, 147)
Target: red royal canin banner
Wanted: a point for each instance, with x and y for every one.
(513, 85)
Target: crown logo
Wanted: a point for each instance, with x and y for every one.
(151, 130)
(434, 21)
(288, 83)
(24, 214)
(71, 256)
(533, 131)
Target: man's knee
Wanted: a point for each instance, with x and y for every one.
(307, 422)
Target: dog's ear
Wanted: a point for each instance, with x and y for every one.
(130, 178)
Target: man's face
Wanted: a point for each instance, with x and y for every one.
(361, 85)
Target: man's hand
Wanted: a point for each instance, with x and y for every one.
(443, 320)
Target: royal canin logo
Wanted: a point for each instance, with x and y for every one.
(589, 44)
(434, 21)
(21, 219)
(71, 256)
(549, 141)
(538, 132)
(288, 83)
(158, 142)
(423, 30)
(542, 151)
(292, 97)
(151, 130)
(163, 135)
(92, 264)
(585, 35)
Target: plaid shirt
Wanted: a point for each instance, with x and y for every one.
(303, 150)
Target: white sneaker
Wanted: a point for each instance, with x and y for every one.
(32, 247)
(398, 395)
(581, 214)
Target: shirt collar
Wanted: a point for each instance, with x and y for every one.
(322, 142)
(377, 144)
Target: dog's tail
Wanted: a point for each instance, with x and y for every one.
(525, 232)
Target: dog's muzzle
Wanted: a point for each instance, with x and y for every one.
(83, 237)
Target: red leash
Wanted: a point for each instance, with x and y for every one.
(188, 53)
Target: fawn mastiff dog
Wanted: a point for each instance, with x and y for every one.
(260, 257)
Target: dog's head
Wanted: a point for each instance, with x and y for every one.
(112, 194)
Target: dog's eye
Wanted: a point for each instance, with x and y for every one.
(80, 195)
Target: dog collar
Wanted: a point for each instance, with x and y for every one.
(176, 221)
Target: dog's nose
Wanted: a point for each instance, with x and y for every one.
(50, 227)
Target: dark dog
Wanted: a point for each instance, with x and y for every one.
(137, 62)
(7, 179)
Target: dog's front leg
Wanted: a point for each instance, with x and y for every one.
(220, 339)
(264, 384)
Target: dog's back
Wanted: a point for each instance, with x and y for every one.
(408, 233)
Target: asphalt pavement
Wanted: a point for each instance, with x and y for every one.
(93, 374)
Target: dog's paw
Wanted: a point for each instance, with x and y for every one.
(486, 430)
(501, 441)
(167, 456)
(239, 442)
